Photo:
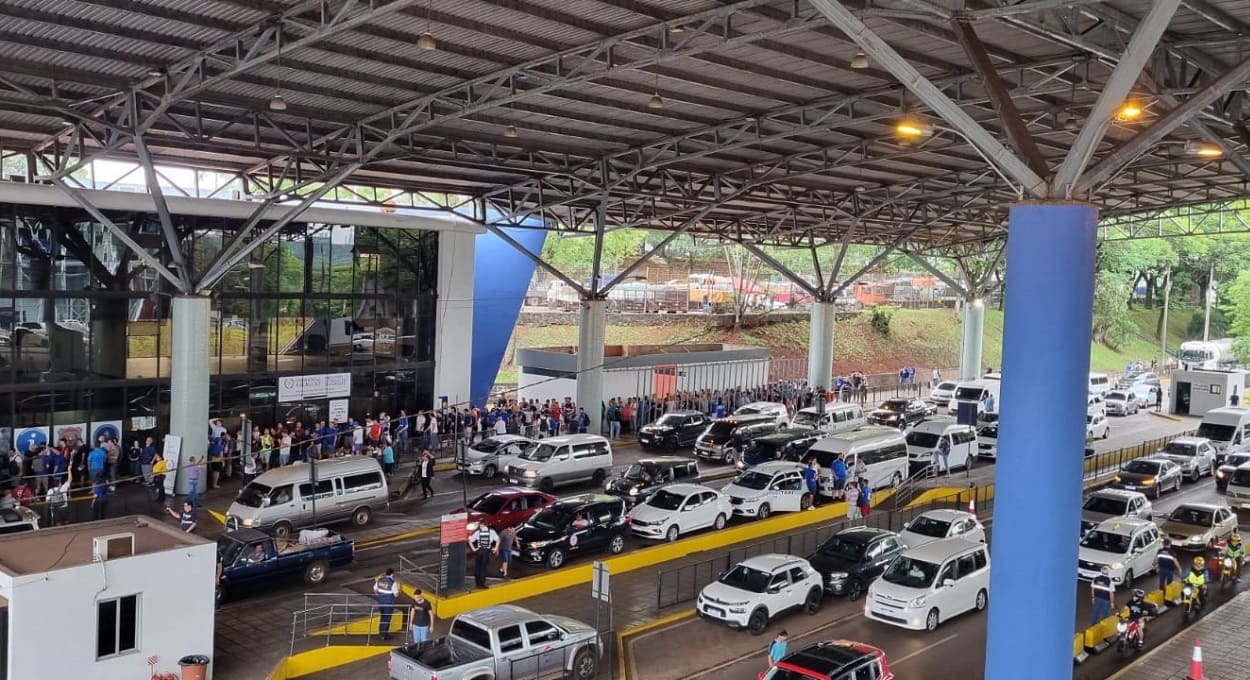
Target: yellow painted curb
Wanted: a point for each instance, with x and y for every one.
(323, 659)
(415, 533)
(642, 628)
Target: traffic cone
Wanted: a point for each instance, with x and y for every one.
(1195, 665)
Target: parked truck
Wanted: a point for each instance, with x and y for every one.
(504, 642)
(251, 558)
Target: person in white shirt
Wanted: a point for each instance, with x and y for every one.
(284, 451)
(500, 426)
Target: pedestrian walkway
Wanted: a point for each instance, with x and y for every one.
(1225, 643)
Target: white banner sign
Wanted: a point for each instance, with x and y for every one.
(71, 433)
(109, 429)
(173, 454)
(338, 410)
(319, 386)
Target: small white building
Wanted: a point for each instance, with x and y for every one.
(1197, 391)
(96, 600)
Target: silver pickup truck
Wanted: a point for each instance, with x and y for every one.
(503, 643)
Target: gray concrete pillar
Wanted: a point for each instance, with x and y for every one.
(188, 407)
(973, 336)
(591, 329)
(820, 345)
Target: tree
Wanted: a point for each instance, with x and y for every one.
(1237, 307)
(745, 269)
(1140, 260)
(1112, 325)
(574, 255)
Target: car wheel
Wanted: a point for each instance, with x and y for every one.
(1129, 577)
(282, 530)
(758, 621)
(854, 589)
(805, 503)
(617, 545)
(584, 665)
(765, 511)
(488, 472)
(547, 485)
(555, 558)
(672, 533)
(932, 620)
(812, 604)
(1177, 485)
(719, 523)
(315, 572)
(731, 457)
(599, 476)
(983, 599)
(896, 480)
(1106, 433)
(362, 516)
(1159, 491)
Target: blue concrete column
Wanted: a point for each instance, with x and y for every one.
(1037, 496)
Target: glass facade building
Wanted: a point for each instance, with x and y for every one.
(85, 331)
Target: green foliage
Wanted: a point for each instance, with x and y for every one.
(1219, 324)
(1112, 324)
(576, 254)
(879, 318)
(1237, 307)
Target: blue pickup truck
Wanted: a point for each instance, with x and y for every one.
(251, 558)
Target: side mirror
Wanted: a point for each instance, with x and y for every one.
(948, 583)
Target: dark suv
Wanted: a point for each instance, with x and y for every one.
(586, 523)
(901, 413)
(853, 558)
(673, 430)
(727, 438)
(788, 444)
(640, 480)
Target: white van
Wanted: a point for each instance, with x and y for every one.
(1226, 426)
(838, 417)
(883, 450)
(933, 583)
(282, 499)
(977, 392)
(1099, 383)
(924, 439)
(558, 461)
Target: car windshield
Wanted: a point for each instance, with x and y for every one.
(1240, 478)
(1106, 505)
(969, 393)
(1116, 396)
(253, 495)
(837, 546)
(638, 473)
(912, 573)
(748, 410)
(1089, 419)
(990, 431)
(1106, 541)
(807, 418)
(488, 445)
(488, 504)
(1194, 516)
(745, 578)
(926, 440)
(1142, 467)
(1222, 433)
(753, 480)
(721, 428)
(1179, 449)
(670, 420)
(552, 518)
(947, 386)
(665, 500)
(539, 453)
(893, 405)
(928, 526)
(228, 550)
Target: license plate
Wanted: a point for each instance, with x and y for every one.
(714, 611)
(513, 480)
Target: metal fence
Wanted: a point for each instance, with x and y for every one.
(683, 583)
(330, 618)
(1103, 463)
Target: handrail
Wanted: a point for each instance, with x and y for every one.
(329, 615)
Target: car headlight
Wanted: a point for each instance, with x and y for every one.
(249, 522)
(1117, 479)
(838, 576)
(633, 491)
(917, 602)
(530, 473)
(541, 544)
(737, 610)
(1148, 481)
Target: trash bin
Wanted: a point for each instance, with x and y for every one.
(194, 667)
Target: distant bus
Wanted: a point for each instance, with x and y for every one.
(1207, 354)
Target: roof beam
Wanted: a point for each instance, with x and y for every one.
(1114, 91)
(929, 267)
(785, 271)
(1017, 132)
(542, 264)
(881, 52)
(1217, 16)
(878, 259)
(1162, 127)
(162, 212)
(1025, 7)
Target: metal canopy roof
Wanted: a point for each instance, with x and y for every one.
(742, 119)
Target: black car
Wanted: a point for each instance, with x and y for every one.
(900, 413)
(673, 430)
(640, 480)
(853, 558)
(726, 438)
(788, 444)
(586, 523)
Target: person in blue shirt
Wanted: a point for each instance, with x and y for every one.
(777, 649)
(839, 478)
(388, 458)
(95, 463)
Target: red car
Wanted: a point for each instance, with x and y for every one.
(838, 659)
(506, 507)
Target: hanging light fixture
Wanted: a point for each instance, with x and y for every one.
(277, 103)
(912, 127)
(859, 61)
(656, 102)
(1203, 150)
(510, 132)
(1129, 111)
(426, 41)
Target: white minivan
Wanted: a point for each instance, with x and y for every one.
(1226, 426)
(933, 583)
(838, 417)
(283, 499)
(926, 437)
(1099, 383)
(883, 450)
(977, 392)
(558, 461)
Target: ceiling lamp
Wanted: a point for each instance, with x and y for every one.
(860, 60)
(277, 103)
(510, 132)
(1203, 150)
(426, 42)
(910, 127)
(1066, 121)
(156, 72)
(655, 102)
(1129, 111)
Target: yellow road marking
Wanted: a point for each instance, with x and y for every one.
(415, 533)
(642, 628)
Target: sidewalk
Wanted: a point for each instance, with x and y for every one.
(1225, 648)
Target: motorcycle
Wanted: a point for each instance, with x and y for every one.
(1193, 601)
(1130, 636)
(1230, 572)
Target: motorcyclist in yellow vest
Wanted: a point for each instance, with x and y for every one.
(1236, 550)
(1198, 578)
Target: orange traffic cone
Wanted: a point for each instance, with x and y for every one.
(1195, 665)
(972, 506)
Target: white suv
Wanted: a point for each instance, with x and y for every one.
(936, 525)
(1195, 455)
(756, 590)
(1125, 547)
(768, 408)
(679, 509)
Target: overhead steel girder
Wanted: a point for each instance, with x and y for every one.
(672, 236)
(1153, 134)
(929, 267)
(1025, 7)
(172, 241)
(817, 291)
(1114, 91)
(884, 55)
(872, 263)
(539, 261)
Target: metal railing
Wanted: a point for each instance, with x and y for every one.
(1107, 462)
(330, 617)
(683, 583)
(417, 575)
(580, 660)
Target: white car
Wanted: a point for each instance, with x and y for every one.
(936, 525)
(758, 589)
(1121, 403)
(933, 583)
(987, 442)
(771, 408)
(1096, 426)
(678, 509)
(489, 456)
(1195, 455)
(769, 487)
(1106, 504)
(1125, 547)
(943, 393)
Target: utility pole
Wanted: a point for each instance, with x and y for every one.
(1210, 300)
(1163, 332)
